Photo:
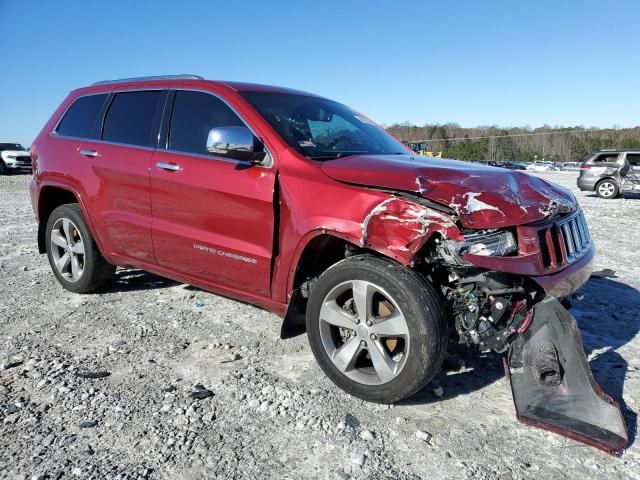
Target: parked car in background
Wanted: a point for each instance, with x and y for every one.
(309, 209)
(515, 165)
(14, 158)
(571, 166)
(540, 166)
(610, 173)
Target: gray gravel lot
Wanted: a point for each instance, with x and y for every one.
(154, 379)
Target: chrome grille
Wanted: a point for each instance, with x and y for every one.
(575, 235)
(564, 241)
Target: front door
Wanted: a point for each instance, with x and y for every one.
(213, 218)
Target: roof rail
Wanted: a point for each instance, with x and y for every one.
(144, 79)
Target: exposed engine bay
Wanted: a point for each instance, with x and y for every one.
(552, 384)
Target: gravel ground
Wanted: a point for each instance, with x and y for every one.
(154, 379)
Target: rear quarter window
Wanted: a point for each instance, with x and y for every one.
(605, 158)
(80, 118)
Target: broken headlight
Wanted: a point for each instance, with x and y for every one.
(486, 243)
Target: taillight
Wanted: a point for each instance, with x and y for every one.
(585, 166)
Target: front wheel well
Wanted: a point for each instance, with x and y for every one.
(318, 255)
(50, 198)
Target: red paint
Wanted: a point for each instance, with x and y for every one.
(200, 224)
(511, 197)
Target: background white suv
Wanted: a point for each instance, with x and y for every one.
(14, 157)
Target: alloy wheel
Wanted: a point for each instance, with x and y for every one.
(606, 189)
(364, 332)
(67, 249)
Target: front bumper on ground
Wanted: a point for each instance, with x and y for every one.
(553, 387)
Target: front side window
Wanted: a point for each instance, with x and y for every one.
(130, 118)
(194, 114)
(81, 116)
(320, 128)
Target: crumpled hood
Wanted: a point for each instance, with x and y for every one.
(482, 196)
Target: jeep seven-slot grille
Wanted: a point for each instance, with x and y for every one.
(564, 241)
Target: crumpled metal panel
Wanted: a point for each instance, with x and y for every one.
(553, 387)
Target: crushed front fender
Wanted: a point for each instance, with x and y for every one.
(553, 387)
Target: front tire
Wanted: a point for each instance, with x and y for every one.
(607, 189)
(73, 254)
(377, 329)
(4, 170)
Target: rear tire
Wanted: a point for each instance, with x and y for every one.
(375, 356)
(73, 254)
(607, 189)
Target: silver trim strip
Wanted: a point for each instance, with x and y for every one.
(145, 79)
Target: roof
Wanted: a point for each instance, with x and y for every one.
(195, 79)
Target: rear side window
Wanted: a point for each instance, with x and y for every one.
(194, 114)
(130, 118)
(634, 159)
(81, 116)
(606, 158)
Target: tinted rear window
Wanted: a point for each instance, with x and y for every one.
(130, 118)
(81, 116)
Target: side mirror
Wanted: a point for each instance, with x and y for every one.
(235, 142)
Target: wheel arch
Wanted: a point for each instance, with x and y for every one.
(50, 197)
(318, 251)
(604, 179)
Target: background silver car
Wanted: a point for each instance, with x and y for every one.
(610, 173)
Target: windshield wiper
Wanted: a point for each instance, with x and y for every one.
(332, 156)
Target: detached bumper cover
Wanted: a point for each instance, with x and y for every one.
(553, 387)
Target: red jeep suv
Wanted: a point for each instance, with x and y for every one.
(309, 209)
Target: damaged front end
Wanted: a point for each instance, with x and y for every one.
(552, 384)
(503, 247)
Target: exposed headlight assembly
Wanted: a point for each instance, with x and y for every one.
(486, 243)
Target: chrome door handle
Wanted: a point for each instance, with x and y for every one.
(89, 153)
(172, 167)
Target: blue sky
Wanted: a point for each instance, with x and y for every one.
(472, 62)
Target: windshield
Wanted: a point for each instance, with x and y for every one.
(12, 146)
(320, 128)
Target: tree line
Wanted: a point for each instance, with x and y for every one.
(517, 144)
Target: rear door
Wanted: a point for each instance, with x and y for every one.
(213, 218)
(115, 173)
(631, 180)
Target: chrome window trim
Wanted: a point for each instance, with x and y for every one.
(268, 165)
(55, 133)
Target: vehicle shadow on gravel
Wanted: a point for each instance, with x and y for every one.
(608, 317)
(130, 280)
(464, 371)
